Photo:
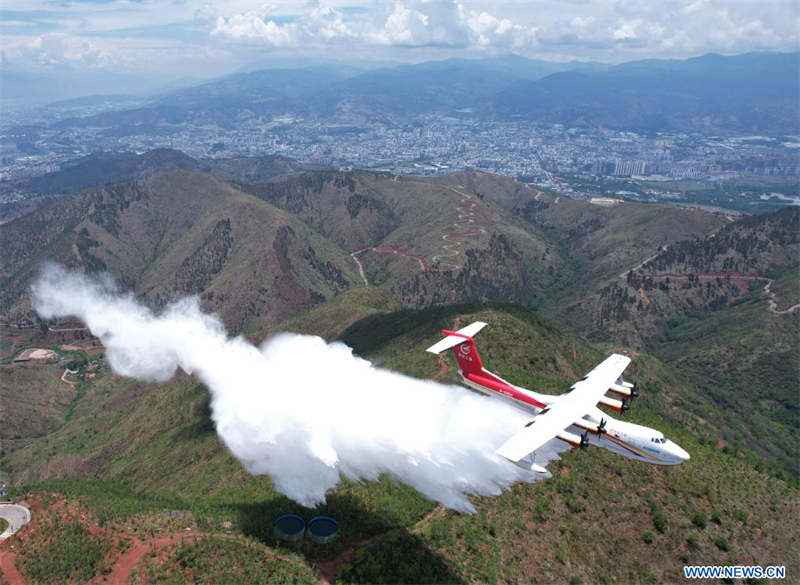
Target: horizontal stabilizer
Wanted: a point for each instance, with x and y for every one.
(453, 340)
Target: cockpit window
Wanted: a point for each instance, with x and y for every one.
(663, 440)
(657, 440)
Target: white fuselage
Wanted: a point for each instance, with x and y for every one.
(623, 438)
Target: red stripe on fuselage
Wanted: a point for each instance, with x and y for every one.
(504, 389)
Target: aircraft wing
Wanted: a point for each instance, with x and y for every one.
(581, 398)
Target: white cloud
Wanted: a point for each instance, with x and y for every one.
(400, 25)
(321, 25)
(217, 34)
(630, 30)
(420, 24)
(60, 49)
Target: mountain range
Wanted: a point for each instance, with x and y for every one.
(262, 239)
(755, 92)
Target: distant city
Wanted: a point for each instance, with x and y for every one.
(627, 131)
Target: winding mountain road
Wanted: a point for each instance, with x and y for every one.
(650, 259)
(466, 212)
(772, 305)
(465, 223)
(354, 256)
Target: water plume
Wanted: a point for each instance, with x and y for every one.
(303, 411)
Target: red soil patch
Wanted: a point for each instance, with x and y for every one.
(9, 567)
(125, 565)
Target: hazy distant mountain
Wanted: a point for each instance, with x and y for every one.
(110, 168)
(394, 95)
(230, 102)
(69, 84)
(536, 69)
(752, 92)
(97, 99)
(346, 67)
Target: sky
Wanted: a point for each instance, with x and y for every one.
(201, 38)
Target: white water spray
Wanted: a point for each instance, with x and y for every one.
(301, 410)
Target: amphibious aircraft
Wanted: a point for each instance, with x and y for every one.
(572, 417)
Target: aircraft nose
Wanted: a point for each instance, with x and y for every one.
(680, 453)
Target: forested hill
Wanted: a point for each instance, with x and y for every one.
(152, 465)
(763, 244)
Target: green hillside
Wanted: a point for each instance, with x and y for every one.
(175, 234)
(39, 408)
(151, 464)
(401, 225)
(288, 244)
(700, 306)
(746, 360)
(691, 278)
(513, 243)
(681, 290)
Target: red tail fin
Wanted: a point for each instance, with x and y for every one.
(467, 355)
(472, 368)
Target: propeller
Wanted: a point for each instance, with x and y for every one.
(626, 403)
(634, 392)
(601, 428)
(585, 440)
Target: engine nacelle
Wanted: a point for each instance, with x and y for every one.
(570, 438)
(593, 428)
(621, 390)
(612, 403)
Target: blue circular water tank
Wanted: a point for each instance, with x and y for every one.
(323, 529)
(290, 527)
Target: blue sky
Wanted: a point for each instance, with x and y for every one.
(204, 38)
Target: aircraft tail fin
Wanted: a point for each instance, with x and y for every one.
(456, 338)
(463, 347)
